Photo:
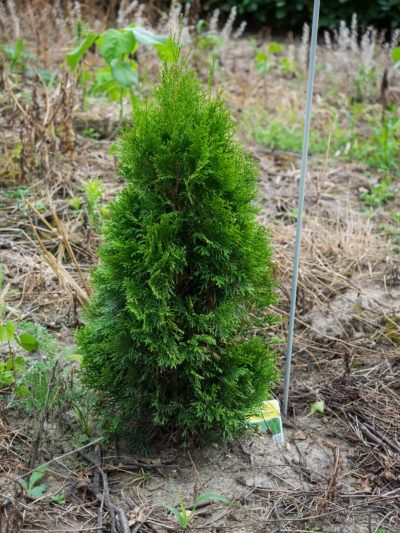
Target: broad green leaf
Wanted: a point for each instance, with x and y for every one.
(212, 496)
(105, 83)
(10, 328)
(9, 364)
(396, 54)
(318, 407)
(123, 73)
(28, 342)
(37, 492)
(19, 360)
(3, 333)
(23, 484)
(36, 476)
(144, 36)
(116, 44)
(6, 378)
(75, 56)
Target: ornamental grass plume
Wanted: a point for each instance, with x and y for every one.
(175, 339)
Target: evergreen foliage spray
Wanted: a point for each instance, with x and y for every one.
(175, 338)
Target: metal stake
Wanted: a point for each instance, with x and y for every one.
(303, 173)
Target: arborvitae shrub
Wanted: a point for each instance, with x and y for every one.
(175, 336)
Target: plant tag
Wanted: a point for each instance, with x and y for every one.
(269, 418)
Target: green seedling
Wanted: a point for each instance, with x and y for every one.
(380, 150)
(264, 58)
(58, 498)
(91, 133)
(16, 56)
(380, 194)
(119, 77)
(47, 76)
(317, 407)
(364, 84)
(11, 365)
(93, 190)
(287, 65)
(83, 417)
(75, 203)
(184, 516)
(32, 488)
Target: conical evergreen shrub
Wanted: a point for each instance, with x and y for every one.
(175, 337)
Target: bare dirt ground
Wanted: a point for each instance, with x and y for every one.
(337, 471)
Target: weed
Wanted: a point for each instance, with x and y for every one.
(393, 230)
(119, 77)
(317, 407)
(364, 84)
(264, 58)
(16, 57)
(185, 516)
(380, 150)
(32, 488)
(12, 364)
(91, 133)
(58, 498)
(93, 190)
(380, 194)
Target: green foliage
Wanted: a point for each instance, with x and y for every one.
(396, 55)
(381, 148)
(93, 190)
(286, 14)
(278, 135)
(16, 55)
(12, 365)
(380, 194)
(317, 407)
(184, 516)
(263, 58)
(32, 488)
(174, 337)
(369, 138)
(393, 230)
(52, 375)
(118, 78)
